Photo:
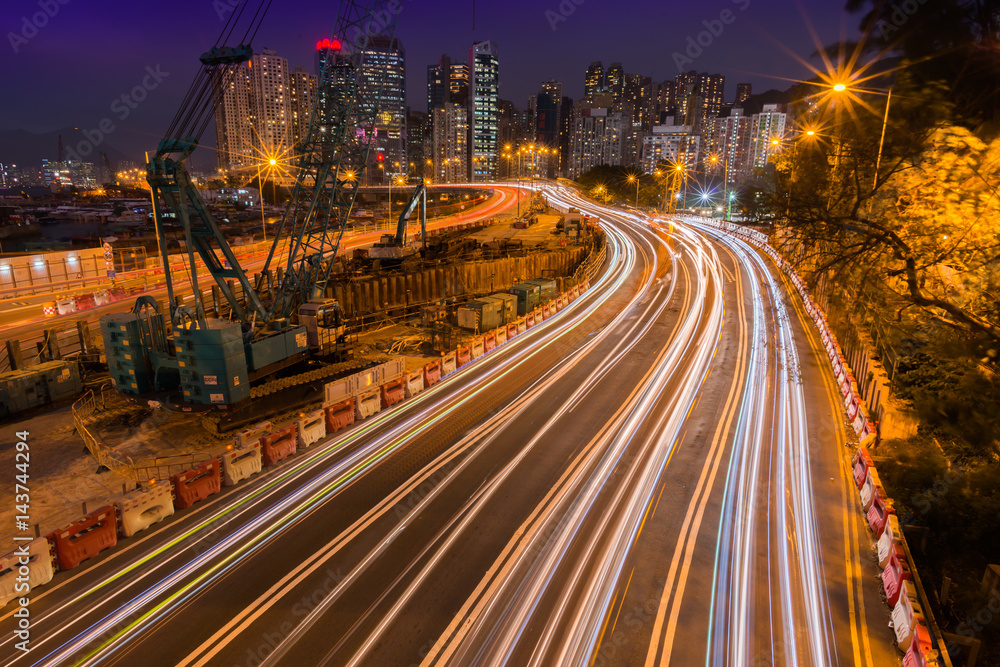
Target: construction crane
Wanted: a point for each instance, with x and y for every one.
(282, 322)
(393, 247)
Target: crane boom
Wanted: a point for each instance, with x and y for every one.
(334, 156)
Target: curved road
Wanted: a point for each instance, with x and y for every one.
(641, 479)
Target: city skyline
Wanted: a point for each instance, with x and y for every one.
(764, 60)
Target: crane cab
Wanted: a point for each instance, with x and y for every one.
(324, 322)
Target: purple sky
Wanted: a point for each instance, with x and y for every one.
(90, 53)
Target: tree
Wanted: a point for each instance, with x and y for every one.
(951, 41)
(922, 234)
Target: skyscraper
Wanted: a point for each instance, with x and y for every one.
(458, 83)
(594, 81)
(302, 86)
(438, 83)
(597, 139)
(484, 111)
(565, 133)
(234, 123)
(730, 143)
(743, 93)
(383, 80)
(615, 82)
(711, 88)
(763, 138)
(450, 148)
(270, 104)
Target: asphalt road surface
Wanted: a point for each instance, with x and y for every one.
(655, 475)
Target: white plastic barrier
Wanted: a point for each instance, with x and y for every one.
(891, 537)
(66, 306)
(367, 380)
(868, 489)
(448, 364)
(101, 297)
(860, 419)
(522, 325)
(414, 383)
(311, 428)
(906, 615)
(141, 508)
(478, 348)
(31, 561)
(338, 390)
(239, 464)
(393, 370)
(367, 404)
(501, 336)
(252, 434)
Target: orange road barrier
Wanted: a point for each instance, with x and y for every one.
(196, 484)
(393, 392)
(432, 373)
(278, 445)
(339, 415)
(85, 538)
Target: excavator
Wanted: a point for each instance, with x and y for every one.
(393, 248)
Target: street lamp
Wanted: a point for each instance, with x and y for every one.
(632, 178)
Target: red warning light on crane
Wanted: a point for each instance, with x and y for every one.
(380, 157)
(328, 44)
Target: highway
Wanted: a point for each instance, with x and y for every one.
(653, 476)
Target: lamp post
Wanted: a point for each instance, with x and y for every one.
(631, 178)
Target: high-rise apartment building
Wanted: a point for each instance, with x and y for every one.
(684, 85)
(711, 89)
(743, 93)
(764, 136)
(598, 135)
(417, 133)
(484, 111)
(234, 123)
(593, 83)
(270, 104)
(670, 144)
(450, 134)
(302, 86)
(565, 133)
(729, 144)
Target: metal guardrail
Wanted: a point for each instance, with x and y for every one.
(122, 464)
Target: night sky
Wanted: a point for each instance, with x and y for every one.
(90, 53)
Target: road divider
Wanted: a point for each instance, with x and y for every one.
(197, 483)
(240, 463)
(31, 563)
(311, 427)
(85, 538)
(141, 508)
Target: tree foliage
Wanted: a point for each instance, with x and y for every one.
(922, 233)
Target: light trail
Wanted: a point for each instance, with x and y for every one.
(771, 436)
(283, 502)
